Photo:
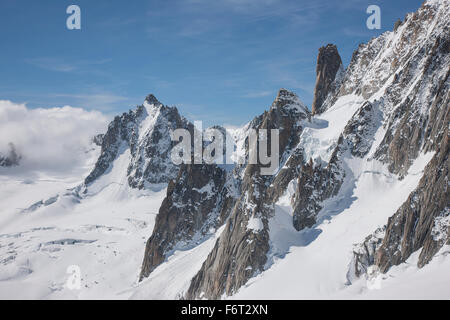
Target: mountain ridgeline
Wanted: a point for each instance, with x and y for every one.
(399, 82)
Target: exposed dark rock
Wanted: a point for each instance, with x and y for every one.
(197, 200)
(150, 150)
(98, 139)
(364, 254)
(121, 131)
(328, 64)
(411, 228)
(12, 158)
(287, 172)
(151, 99)
(151, 161)
(410, 129)
(397, 24)
(418, 124)
(360, 130)
(241, 250)
(316, 182)
(421, 223)
(413, 110)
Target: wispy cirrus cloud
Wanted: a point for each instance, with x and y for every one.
(100, 101)
(97, 99)
(194, 18)
(65, 65)
(258, 94)
(51, 64)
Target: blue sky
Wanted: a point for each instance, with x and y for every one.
(219, 61)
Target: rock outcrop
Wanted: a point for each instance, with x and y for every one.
(422, 223)
(329, 64)
(392, 108)
(146, 132)
(318, 181)
(11, 158)
(401, 83)
(419, 222)
(241, 251)
(98, 139)
(417, 123)
(196, 204)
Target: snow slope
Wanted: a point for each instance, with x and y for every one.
(171, 279)
(315, 261)
(105, 230)
(104, 233)
(50, 221)
(319, 138)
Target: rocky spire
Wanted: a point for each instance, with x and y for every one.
(289, 100)
(151, 99)
(147, 133)
(284, 97)
(328, 64)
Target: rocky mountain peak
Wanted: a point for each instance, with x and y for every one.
(145, 133)
(11, 158)
(151, 99)
(328, 64)
(288, 100)
(220, 228)
(284, 97)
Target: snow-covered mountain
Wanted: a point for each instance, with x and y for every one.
(11, 158)
(358, 208)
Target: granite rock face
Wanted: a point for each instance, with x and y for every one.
(392, 108)
(411, 128)
(364, 254)
(417, 124)
(422, 222)
(241, 250)
(196, 205)
(318, 181)
(329, 64)
(205, 197)
(400, 82)
(146, 132)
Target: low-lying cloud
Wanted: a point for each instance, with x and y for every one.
(53, 139)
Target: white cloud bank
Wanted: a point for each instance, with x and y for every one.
(53, 139)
